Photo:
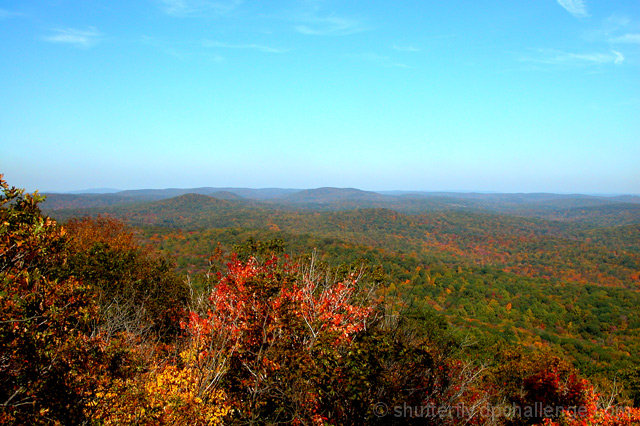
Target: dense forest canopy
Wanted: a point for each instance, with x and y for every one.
(319, 307)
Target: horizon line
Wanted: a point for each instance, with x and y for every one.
(106, 190)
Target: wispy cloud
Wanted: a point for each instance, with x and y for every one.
(610, 29)
(575, 7)
(595, 58)
(556, 57)
(616, 22)
(631, 38)
(79, 38)
(329, 26)
(406, 48)
(193, 8)
(248, 46)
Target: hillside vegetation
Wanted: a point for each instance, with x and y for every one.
(566, 286)
(203, 310)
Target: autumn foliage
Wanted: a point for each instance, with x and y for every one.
(266, 329)
(97, 329)
(46, 345)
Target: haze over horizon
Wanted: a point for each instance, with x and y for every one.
(447, 96)
(380, 191)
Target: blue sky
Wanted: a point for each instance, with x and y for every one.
(509, 96)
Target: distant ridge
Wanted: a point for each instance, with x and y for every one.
(331, 195)
(55, 201)
(249, 193)
(591, 209)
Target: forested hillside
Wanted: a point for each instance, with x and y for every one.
(597, 210)
(566, 286)
(204, 310)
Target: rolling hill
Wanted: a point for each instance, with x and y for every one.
(576, 208)
(487, 263)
